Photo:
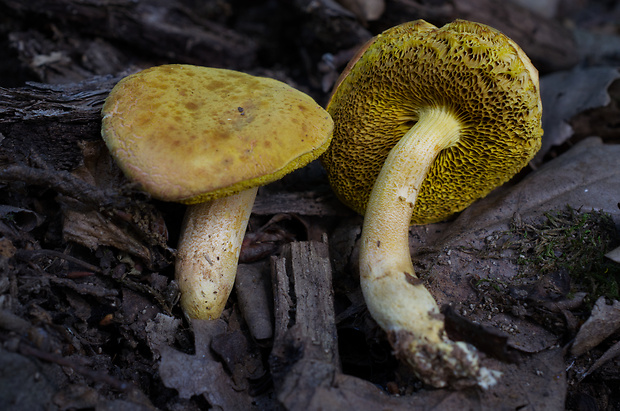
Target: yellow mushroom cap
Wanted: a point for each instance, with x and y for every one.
(192, 134)
(481, 76)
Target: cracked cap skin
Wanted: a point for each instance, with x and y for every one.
(472, 70)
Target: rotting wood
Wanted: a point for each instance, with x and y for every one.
(164, 29)
(304, 360)
(304, 203)
(49, 120)
(305, 352)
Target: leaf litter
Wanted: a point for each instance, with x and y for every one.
(97, 309)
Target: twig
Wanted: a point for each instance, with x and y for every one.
(28, 255)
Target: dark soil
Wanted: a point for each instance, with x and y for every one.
(89, 315)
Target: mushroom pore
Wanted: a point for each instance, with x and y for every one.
(427, 120)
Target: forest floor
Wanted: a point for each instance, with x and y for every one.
(89, 313)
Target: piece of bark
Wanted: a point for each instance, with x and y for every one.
(303, 299)
(549, 44)
(309, 203)
(304, 360)
(49, 120)
(164, 29)
(330, 25)
(305, 351)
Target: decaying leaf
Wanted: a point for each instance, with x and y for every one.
(138, 229)
(455, 258)
(587, 177)
(91, 229)
(604, 321)
(201, 374)
(614, 255)
(567, 93)
(365, 10)
(160, 331)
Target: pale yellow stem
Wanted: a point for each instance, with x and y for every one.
(395, 297)
(208, 253)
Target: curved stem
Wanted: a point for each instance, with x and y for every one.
(208, 253)
(395, 297)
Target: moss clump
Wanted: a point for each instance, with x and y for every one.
(573, 241)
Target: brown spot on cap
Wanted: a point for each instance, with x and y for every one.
(168, 124)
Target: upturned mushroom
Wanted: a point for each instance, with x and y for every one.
(427, 120)
(208, 138)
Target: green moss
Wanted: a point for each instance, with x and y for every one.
(574, 241)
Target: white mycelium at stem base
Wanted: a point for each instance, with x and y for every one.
(486, 127)
(396, 298)
(208, 251)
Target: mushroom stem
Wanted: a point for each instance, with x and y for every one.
(395, 296)
(208, 252)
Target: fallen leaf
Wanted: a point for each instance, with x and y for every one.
(586, 177)
(138, 229)
(536, 383)
(91, 229)
(614, 255)
(597, 48)
(567, 93)
(604, 320)
(364, 10)
(160, 332)
(201, 373)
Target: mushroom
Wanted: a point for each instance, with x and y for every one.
(426, 121)
(208, 138)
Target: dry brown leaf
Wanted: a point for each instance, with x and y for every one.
(365, 10)
(201, 373)
(603, 322)
(614, 255)
(586, 177)
(91, 229)
(565, 94)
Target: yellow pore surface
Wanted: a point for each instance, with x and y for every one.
(475, 72)
(192, 134)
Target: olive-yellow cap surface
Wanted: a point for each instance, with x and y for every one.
(475, 72)
(192, 134)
